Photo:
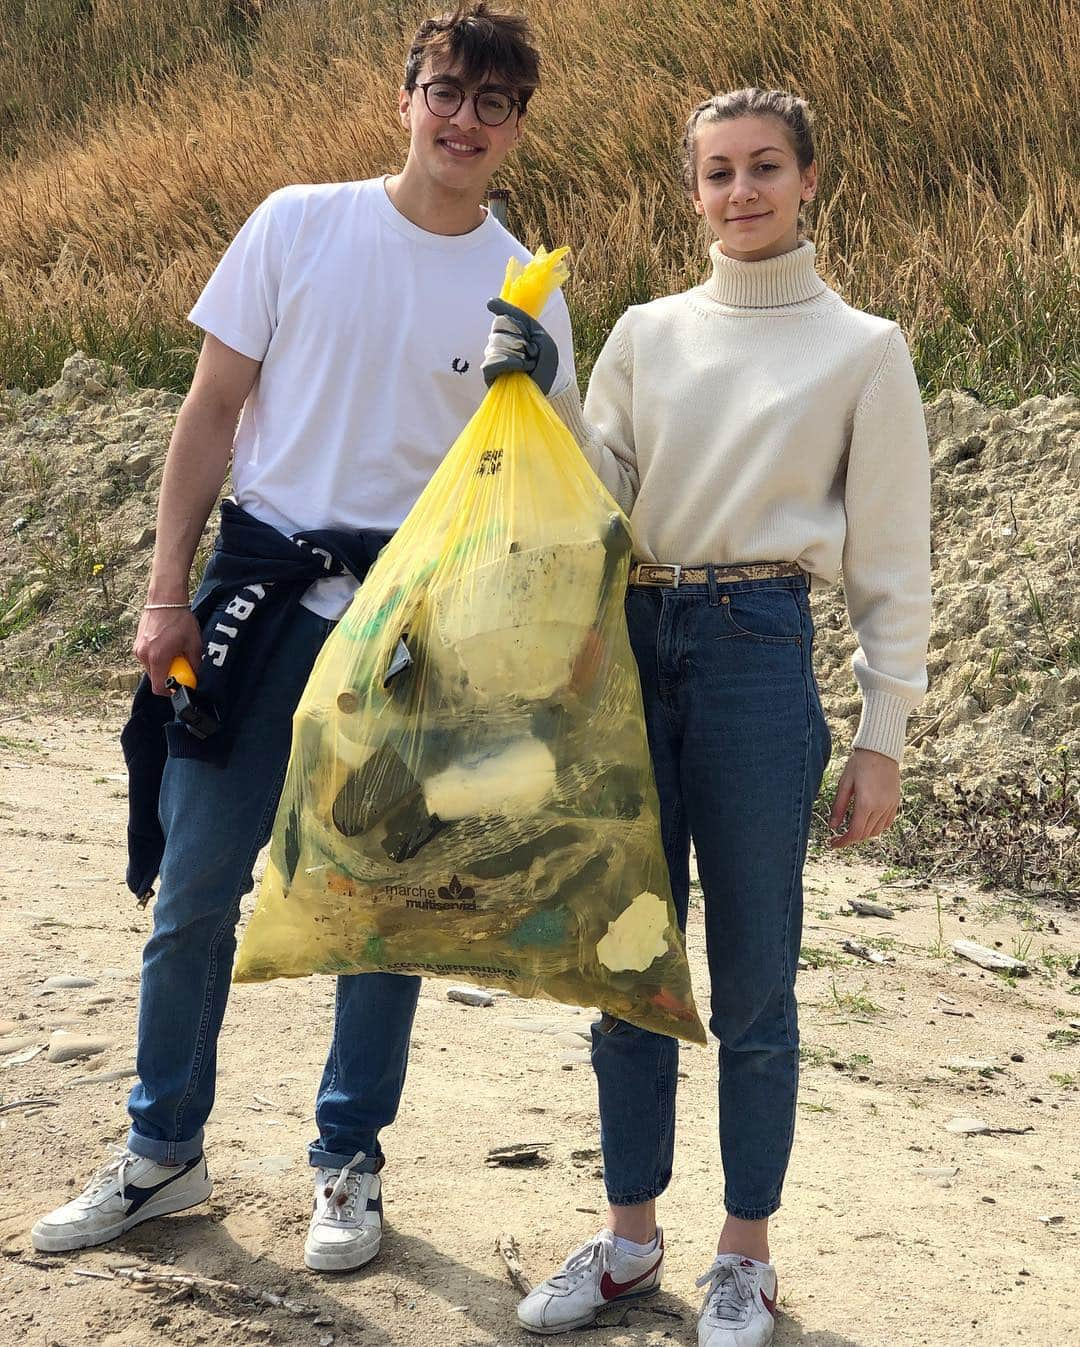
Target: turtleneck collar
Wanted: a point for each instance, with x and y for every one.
(787, 279)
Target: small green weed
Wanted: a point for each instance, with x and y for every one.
(986, 1072)
(819, 958)
(815, 1056)
(40, 472)
(856, 1064)
(1055, 961)
(894, 872)
(90, 636)
(1038, 610)
(17, 745)
(78, 550)
(940, 949)
(855, 1002)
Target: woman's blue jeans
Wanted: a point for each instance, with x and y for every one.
(216, 819)
(739, 745)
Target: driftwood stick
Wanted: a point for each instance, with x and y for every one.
(861, 951)
(929, 729)
(29, 1103)
(507, 1248)
(992, 959)
(189, 1281)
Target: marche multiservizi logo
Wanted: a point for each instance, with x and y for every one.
(451, 895)
(456, 892)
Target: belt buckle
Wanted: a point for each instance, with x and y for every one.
(654, 573)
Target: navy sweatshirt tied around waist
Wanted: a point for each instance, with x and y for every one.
(255, 578)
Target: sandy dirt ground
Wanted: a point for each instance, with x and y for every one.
(895, 1230)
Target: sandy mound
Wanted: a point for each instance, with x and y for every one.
(80, 467)
(1004, 658)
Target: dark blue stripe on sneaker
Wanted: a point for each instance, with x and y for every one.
(137, 1197)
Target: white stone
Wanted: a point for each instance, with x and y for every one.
(470, 996)
(69, 1047)
(967, 1126)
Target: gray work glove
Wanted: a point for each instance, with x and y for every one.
(518, 342)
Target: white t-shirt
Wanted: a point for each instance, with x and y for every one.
(371, 332)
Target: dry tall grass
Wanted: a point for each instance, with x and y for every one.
(948, 141)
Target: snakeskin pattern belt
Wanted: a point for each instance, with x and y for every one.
(672, 576)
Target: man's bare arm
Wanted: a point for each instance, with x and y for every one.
(195, 468)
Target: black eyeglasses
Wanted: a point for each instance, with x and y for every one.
(492, 106)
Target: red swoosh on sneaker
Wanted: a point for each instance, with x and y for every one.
(610, 1289)
(770, 1305)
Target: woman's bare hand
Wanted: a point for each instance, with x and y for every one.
(867, 798)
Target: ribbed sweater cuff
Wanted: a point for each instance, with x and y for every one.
(567, 407)
(883, 726)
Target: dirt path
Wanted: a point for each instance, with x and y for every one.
(895, 1231)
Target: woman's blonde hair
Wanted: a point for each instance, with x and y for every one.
(793, 111)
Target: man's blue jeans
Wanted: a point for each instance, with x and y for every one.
(215, 820)
(739, 745)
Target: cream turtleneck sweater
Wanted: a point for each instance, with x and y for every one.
(757, 417)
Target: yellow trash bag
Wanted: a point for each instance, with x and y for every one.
(470, 792)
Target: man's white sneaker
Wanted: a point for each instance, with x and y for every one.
(346, 1224)
(592, 1278)
(739, 1309)
(123, 1193)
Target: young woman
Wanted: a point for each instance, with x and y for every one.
(760, 434)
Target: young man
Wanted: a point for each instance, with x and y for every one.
(347, 323)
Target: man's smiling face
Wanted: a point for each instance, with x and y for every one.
(459, 152)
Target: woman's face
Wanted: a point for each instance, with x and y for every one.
(750, 187)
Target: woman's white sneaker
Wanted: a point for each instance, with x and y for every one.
(739, 1309)
(346, 1223)
(595, 1276)
(125, 1192)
